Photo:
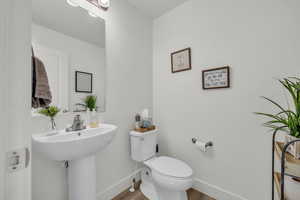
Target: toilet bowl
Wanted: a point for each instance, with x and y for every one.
(163, 178)
(166, 178)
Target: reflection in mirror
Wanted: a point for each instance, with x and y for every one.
(66, 40)
(84, 82)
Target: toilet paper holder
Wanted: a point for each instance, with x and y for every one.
(208, 144)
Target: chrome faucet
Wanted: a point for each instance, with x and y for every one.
(77, 125)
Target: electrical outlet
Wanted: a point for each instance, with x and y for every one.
(17, 159)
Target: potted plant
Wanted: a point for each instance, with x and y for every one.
(287, 119)
(51, 112)
(90, 102)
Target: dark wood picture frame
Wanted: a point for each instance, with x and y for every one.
(216, 69)
(76, 82)
(189, 67)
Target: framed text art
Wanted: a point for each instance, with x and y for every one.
(216, 78)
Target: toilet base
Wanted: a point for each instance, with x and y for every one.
(147, 186)
(164, 194)
(153, 192)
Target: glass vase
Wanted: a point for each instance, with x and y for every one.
(52, 124)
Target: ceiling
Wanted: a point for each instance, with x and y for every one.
(155, 8)
(75, 22)
(72, 21)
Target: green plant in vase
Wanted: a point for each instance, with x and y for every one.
(90, 102)
(50, 112)
(286, 119)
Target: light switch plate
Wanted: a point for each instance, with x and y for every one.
(17, 160)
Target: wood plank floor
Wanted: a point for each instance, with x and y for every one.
(138, 195)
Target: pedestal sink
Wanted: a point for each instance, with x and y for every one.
(79, 149)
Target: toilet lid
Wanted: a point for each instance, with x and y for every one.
(171, 167)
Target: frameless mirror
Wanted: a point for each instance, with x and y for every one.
(68, 56)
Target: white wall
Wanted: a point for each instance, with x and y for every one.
(128, 90)
(129, 85)
(3, 100)
(82, 56)
(259, 39)
(16, 91)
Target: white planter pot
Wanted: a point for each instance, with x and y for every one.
(293, 149)
(292, 189)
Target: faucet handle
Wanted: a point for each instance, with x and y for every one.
(77, 118)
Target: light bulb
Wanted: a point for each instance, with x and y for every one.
(104, 3)
(72, 3)
(92, 14)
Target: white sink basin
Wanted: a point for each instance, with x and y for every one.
(74, 145)
(79, 149)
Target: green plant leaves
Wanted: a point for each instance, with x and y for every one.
(50, 111)
(90, 102)
(286, 120)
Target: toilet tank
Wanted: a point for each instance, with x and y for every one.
(143, 145)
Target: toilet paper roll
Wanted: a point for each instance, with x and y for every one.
(201, 146)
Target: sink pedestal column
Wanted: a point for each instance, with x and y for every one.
(82, 179)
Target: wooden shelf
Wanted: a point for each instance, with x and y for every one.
(143, 130)
(277, 178)
(292, 166)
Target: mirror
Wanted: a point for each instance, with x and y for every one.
(68, 56)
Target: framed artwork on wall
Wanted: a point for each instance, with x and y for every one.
(83, 82)
(181, 60)
(216, 78)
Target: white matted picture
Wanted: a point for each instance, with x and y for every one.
(216, 78)
(181, 60)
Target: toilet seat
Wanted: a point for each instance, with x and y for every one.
(170, 167)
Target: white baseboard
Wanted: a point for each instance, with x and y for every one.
(215, 191)
(118, 187)
(200, 185)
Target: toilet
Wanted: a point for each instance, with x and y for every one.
(163, 178)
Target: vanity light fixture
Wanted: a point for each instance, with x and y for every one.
(92, 14)
(104, 3)
(100, 4)
(73, 3)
